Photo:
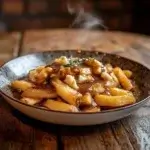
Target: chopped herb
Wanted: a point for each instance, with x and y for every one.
(74, 62)
(67, 65)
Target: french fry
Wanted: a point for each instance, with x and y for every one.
(118, 92)
(59, 106)
(68, 94)
(124, 81)
(21, 85)
(128, 73)
(106, 76)
(93, 62)
(114, 101)
(86, 100)
(97, 70)
(30, 101)
(92, 109)
(39, 93)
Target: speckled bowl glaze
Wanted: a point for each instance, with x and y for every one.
(19, 68)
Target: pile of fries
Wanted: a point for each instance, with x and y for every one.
(58, 86)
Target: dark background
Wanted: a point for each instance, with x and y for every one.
(124, 15)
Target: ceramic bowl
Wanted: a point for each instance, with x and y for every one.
(19, 67)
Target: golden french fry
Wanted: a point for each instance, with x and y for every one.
(124, 81)
(118, 92)
(86, 100)
(128, 73)
(68, 94)
(60, 106)
(93, 62)
(92, 109)
(39, 93)
(97, 70)
(30, 101)
(106, 76)
(114, 101)
(21, 85)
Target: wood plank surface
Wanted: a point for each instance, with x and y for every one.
(43, 136)
(9, 46)
(130, 133)
(106, 137)
(18, 132)
(11, 145)
(35, 41)
(121, 136)
(13, 133)
(82, 138)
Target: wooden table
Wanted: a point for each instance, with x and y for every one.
(18, 132)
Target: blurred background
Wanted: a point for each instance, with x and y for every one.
(124, 15)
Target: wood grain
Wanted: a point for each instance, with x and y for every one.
(81, 138)
(11, 145)
(16, 130)
(121, 136)
(44, 141)
(108, 137)
(13, 133)
(45, 136)
(35, 41)
(11, 128)
(131, 135)
(9, 46)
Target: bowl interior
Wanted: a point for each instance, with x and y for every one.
(19, 68)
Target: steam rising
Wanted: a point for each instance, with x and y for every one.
(84, 19)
